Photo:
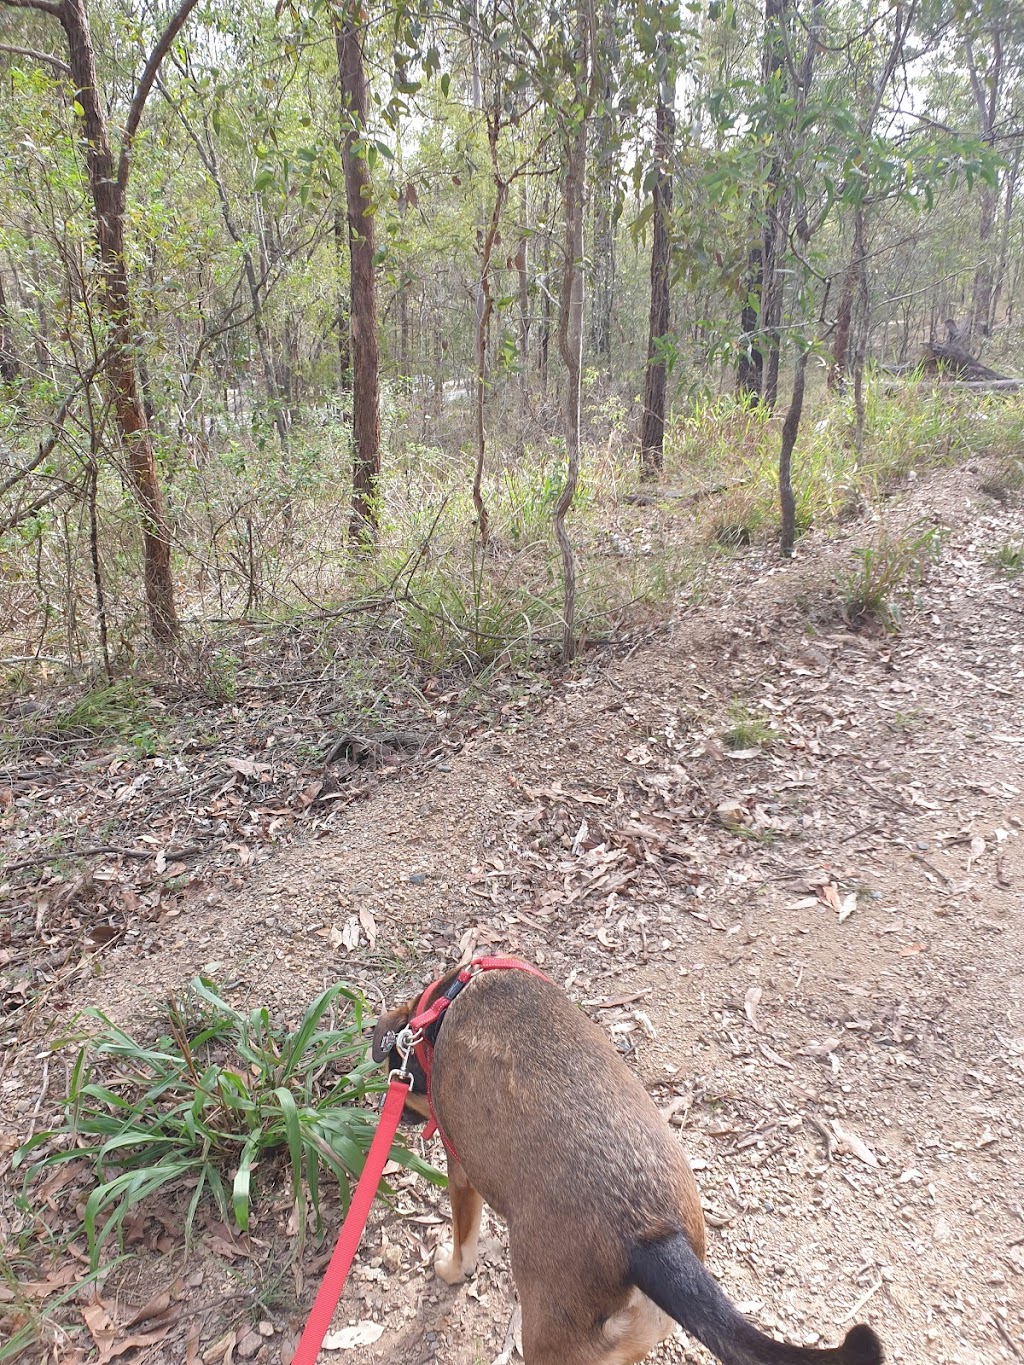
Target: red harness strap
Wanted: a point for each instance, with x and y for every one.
(426, 1015)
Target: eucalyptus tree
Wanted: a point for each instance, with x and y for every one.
(108, 154)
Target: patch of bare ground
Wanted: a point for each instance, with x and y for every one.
(812, 949)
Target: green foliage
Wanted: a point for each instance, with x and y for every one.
(884, 573)
(218, 1096)
(1009, 558)
(747, 730)
(119, 710)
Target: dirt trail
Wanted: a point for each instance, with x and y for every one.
(818, 944)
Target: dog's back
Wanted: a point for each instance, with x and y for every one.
(606, 1235)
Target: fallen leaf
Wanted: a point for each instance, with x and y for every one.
(848, 906)
(361, 1334)
(773, 1056)
(828, 892)
(99, 1322)
(309, 794)
(247, 768)
(134, 1343)
(823, 1048)
(854, 1144)
(221, 1349)
(153, 1308)
(731, 813)
(369, 923)
(750, 1003)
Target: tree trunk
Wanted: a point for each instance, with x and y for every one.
(570, 334)
(10, 369)
(363, 285)
(761, 258)
(790, 430)
(986, 84)
(483, 317)
(107, 190)
(750, 370)
(852, 285)
(341, 317)
(652, 432)
(605, 178)
(1012, 174)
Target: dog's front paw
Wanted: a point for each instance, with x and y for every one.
(451, 1268)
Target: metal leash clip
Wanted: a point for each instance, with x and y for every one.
(404, 1044)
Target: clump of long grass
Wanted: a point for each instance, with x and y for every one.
(219, 1095)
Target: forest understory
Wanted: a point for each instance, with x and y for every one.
(770, 842)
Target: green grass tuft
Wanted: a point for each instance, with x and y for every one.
(748, 731)
(885, 571)
(212, 1101)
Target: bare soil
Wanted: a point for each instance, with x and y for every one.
(812, 950)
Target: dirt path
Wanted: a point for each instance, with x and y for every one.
(819, 945)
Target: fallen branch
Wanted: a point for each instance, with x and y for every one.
(172, 855)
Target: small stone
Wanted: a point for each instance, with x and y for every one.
(265, 1328)
(417, 878)
(249, 1344)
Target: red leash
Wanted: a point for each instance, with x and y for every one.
(352, 1229)
(376, 1158)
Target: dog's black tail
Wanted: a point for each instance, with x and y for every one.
(669, 1273)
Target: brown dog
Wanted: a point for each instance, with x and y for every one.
(605, 1227)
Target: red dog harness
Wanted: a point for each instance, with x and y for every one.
(426, 1015)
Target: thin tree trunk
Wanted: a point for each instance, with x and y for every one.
(606, 169)
(363, 285)
(652, 432)
(986, 88)
(522, 263)
(341, 317)
(852, 278)
(107, 186)
(750, 370)
(544, 349)
(790, 431)
(570, 338)
(1012, 174)
(482, 319)
(761, 258)
(10, 368)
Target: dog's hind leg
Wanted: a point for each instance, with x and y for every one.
(467, 1206)
(552, 1337)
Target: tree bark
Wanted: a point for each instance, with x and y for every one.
(483, 317)
(986, 87)
(570, 325)
(605, 176)
(362, 279)
(108, 191)
(790, 430)
(652, 432)
(10, 369)
(852, 286)
(750, 370)
(761, 258)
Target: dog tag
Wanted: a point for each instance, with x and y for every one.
(387, 1042)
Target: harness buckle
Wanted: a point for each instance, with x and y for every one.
(404, 1044)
